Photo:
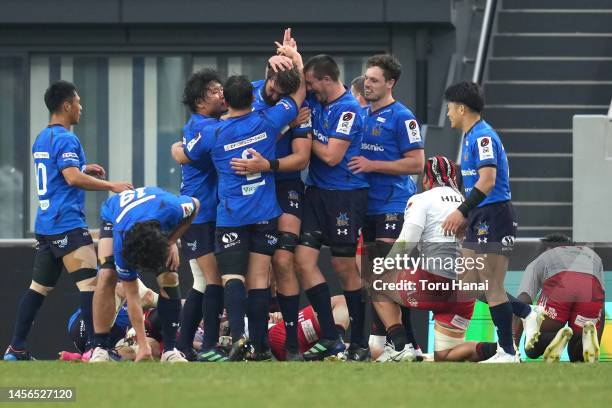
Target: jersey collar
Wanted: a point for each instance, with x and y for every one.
(381, 108)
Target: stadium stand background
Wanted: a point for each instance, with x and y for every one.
(130, 58)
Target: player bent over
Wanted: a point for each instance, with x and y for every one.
(63, 241)
(570, 280)
(138, 233)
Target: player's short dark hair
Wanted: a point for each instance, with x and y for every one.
(145, 247)
(288, 80)
(390, 66)
(238, 92)
(322, 65)
(467, 93)
(197, 85)
(358, 84)
(58, 93)
(556, 239)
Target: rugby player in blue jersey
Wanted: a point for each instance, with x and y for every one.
(292, 155)
(391, 151)
(486, 217)
(335, 205)
(138, 234)
(62, 175)
(203, 95)
(247, 214)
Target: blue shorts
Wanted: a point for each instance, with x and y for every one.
(198, 240)
(491, 229)
(338, 214)
(290, 196)
(63, 244)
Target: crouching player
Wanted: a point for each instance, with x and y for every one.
(423, 219)
(139, 233)
(570, 278)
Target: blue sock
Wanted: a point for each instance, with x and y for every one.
(502, 318)
(290, 307)
(407, 323)
(320, 299)
(87, 314)
(520, 309)
(169, 311)
(356, 309)
(213, 307)
(26, 313)
(235, 303)
(258, 302)
(190, 319)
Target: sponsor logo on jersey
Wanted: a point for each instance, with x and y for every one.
(320, 136)
(70, 155)
(285, 104)
(44, 204)
(193, 141)
(342, 220)
(41, 155)
(245, 142)
(485, 149)
(346, 123)
(412, 128)
(469, 172)
(381, 119)
(372, 147)
(249, 189)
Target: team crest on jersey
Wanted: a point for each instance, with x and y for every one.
(391, 217)
(342, 220)
(482, 229)
(326, 124)
(376, 131)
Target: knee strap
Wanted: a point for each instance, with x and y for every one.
(287, 241)
(312, 239)
(83, 274)
(47, 269)
(344, 251)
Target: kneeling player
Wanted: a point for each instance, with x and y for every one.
(139, 232)
(570, 278)
(423, 218)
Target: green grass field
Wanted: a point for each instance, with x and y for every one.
(317, 384)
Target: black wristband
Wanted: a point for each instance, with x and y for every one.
(476, 197)
(274, 164)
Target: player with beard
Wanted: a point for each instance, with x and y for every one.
(392, 150)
